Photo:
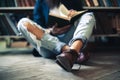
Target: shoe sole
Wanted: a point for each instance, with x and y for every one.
(64, 63)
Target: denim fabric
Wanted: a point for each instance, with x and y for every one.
(40, 12)
(50, 45)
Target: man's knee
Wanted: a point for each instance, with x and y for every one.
(22, 22)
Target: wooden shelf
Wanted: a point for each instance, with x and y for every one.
(116, 9)
(106, 35)
(19, 9)
(15, 9)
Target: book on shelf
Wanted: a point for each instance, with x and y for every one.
(114, 3)
(25, 3)
(106, 23)
(91, 3)
(60, 16)
(118, 1)
(117, 23)
(17, 3)
(95, 2)
(7, 26)
(11, 24)
(87, 3)
(101, 3)
(3, 29)
(84, 3)
(7, 3)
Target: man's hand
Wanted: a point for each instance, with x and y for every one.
(71, 13)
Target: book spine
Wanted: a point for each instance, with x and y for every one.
(12, 25)
(3, 29)
(87, 2)
(118, 1)
(2, 3)
(19, 4)
(23, 3)
(6, 3)
(101, 3)
(95, 2)
(32, 2)
(83, 3)
(9, 29)
(91, 3)
(16, 5)
(119, 26)
(12, 3)
(118, 23)
(114, 3)
(108, 3)
(105, 3)
(26, 3)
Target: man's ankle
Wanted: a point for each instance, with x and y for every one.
(65, 48)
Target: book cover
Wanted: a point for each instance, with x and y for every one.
(12, 25)
(118, 1)
(2, 3)
(87, 2)
(114, 3)
(95, 3)
(108, 3)
(3, 29)
(84, 3)
(91, 2)
(16, 5)
(26, 3)
(101, 3)
(104, 22)
(19, 3)
(105, 3)
(59, 16)
(7, 25)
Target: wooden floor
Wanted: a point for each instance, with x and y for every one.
(20, 64)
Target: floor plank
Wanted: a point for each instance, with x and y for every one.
(21, 65)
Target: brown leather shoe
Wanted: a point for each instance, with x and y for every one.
(67, 59)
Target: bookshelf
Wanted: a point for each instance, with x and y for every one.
(107, 16)
(116, 9)
(9, 11)
(16, 9)
(96, 8)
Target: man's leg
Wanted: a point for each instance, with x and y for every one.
(81, 35)
(38, 37)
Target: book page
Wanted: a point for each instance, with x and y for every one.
(60, 12)
(63, 12)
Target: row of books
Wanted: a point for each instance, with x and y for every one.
(8, 23)
(101, 3)
(7, 27)
(107, 23)
(17, 3)
(117, 23)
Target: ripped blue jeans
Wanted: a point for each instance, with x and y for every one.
(49, 45)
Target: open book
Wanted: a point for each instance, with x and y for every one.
(60, 16)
